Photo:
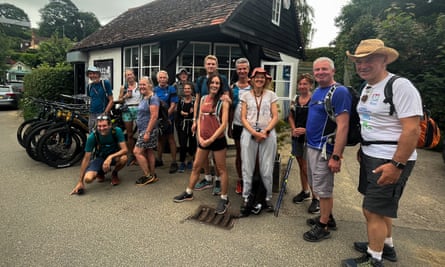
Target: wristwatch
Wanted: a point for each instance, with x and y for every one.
(399, 165)
(335, 157)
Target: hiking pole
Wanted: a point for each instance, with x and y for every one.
(283, 185)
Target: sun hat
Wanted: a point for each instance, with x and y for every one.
(373, 46)
(93, 69)
(260, 70)
(181, 71)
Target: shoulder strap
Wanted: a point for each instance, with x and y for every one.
(389, 94)
(328, 102)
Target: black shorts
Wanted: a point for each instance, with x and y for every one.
(218, 144)
(236, 131)
(381, 199)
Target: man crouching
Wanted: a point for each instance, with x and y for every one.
(108, 147)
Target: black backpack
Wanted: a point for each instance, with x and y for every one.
(354, 136)
(163, 120)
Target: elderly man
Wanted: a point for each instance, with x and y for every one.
(101, 95)
(388, 151)
(104, 148)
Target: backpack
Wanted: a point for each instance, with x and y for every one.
(429, 130)
(163, 120)
(103, 86)
(354, 136)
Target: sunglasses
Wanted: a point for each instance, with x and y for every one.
(103, 118)
(365, 96)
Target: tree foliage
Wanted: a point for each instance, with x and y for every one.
(15, 33)
(64, 18)
(46, 82)
(54, 51)
(305, 20)
(415, 28)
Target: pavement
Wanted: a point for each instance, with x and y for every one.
(127, 225)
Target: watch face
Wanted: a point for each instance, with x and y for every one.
(335, 157)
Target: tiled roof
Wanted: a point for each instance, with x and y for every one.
(160, 17)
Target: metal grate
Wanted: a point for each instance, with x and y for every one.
(207, 215)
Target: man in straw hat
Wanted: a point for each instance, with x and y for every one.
(388, 152)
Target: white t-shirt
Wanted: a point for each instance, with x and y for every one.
(264, 104)
(135, 96)
(237, 114)
(377, 124)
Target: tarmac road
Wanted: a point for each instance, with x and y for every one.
(126, 225)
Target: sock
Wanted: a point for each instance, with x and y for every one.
(224, 197)
(374, 254)
(388, 241)
(208, 177)
(217, 178)
(188, 191)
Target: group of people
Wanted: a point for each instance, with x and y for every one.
(248, 111)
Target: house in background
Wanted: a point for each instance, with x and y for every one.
(16, 73)
(174, 34)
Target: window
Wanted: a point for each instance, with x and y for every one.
(131, 59)
(151, 60)
(144, 60)
(276, 12)
(192, 58)
(282, 84)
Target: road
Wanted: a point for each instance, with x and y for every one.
(126, 225)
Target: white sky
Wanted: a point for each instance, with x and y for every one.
(106, 10)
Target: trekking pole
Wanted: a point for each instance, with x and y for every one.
(283, 185)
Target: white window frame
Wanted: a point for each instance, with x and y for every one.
(153, 68)
(276, 12)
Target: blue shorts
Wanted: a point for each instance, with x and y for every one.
(95, 165)
(131, 114)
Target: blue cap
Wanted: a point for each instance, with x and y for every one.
(92, 69)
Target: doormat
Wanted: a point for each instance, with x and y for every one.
(207, 215)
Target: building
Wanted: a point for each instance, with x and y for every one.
(174, 34)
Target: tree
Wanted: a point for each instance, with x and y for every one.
(63, 17)
(416, 28)
(15, 33)
(54, 51)
(305, 20)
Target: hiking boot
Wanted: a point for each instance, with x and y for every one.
(204, 184)
(389, 253)
(183, 197)
(144, 180)
(131, 160)
(100, 178)
(314, 208)
(365, 260)
(245, 209)
(302, 196)
(332, 225)
(115, 179)
(223, 205)
(269, 206)
(239, 187)
(159, 163)
(217, 188)
(181, 167)
(316, 234)
(173, 167)
(189, 165)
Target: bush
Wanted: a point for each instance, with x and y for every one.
(48, 83)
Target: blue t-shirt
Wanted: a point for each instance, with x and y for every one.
(143, 113)
(168, 95)
(107, 145)
(201, 85)
(318, 117)
(99, 95)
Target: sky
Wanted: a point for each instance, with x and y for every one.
(106, 10)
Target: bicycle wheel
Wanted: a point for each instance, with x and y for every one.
(35, 134)
(24, 126)
(62, 147)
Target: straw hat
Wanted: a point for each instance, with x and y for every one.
(373, 46)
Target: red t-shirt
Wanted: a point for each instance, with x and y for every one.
(209, 122)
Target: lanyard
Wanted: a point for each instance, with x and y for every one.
(258, 106)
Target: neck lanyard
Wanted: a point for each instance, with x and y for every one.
(258, 106)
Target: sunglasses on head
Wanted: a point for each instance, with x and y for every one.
(103, 118)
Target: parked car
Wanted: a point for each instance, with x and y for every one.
(10, 96)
